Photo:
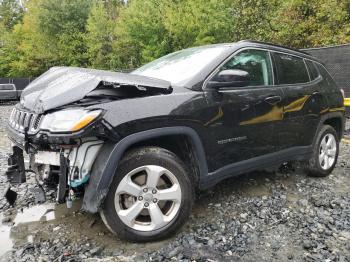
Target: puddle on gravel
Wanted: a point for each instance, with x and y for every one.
(9, 233)
(36, 213)
(38, 223)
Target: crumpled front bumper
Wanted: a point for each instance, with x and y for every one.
(16, 169)
(73, 161)
(16, 137)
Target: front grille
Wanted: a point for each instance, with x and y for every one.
(20, 119)
(36, 122)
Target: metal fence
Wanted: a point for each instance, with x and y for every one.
(20, 83)
(337, 61)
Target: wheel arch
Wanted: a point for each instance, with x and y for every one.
(334, 119)
(105, 165)
(337, 123)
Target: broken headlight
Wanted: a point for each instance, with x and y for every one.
(70, 120)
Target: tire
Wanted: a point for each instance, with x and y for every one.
(319, 166)
(148, 225)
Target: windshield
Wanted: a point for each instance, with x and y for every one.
(182, 65)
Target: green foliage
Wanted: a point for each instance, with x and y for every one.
(101, 33)
(252, 19)
(198, 22)
(117, 34)
(52, 33)
(141, 34)
(9, 53)
(11, 13)
(312, 23)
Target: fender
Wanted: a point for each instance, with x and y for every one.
(337, 114)
(103, 171)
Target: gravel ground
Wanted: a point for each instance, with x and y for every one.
(280, 216)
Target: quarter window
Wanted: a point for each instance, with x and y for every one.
(256, 63)
(290, 69)
(324, 73)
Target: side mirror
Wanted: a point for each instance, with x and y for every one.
(230, 78)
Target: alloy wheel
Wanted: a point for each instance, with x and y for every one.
(327, 151)
(148, 198)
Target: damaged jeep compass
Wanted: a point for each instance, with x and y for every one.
(139, 145)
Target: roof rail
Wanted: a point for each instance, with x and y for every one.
(272, 44)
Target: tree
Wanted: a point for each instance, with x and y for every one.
(140, 34)
(11, 12)
(312, 23)
(101, 33)
(149, 29)
(252, 19)
(53, 34)
(198, 22)
(9, 53)
(119, 34)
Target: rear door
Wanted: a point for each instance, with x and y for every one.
(302, 100)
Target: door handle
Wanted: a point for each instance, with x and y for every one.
(272, 100)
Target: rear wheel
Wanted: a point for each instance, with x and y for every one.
(151, 196)
(325, 152)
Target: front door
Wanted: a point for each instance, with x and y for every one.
(244, 117)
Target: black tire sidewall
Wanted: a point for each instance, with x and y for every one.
(315, 168)
(149, 156)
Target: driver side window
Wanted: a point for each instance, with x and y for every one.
(256, 64)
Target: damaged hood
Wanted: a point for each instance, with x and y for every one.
(64, 85)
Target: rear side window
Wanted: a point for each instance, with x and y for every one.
(290, 69)
(312, 69)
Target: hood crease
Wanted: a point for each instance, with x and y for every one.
(64, 85)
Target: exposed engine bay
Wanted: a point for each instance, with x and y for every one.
(69, 169)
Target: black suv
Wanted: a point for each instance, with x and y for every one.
(140, 144)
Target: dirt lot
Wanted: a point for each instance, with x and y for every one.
(283, 216)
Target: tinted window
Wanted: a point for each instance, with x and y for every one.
(312, 69)
(7, 87)
(290, 69)
(325, 74)
(256, 63)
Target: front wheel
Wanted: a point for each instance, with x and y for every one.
(150, 197)
(325, 152)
